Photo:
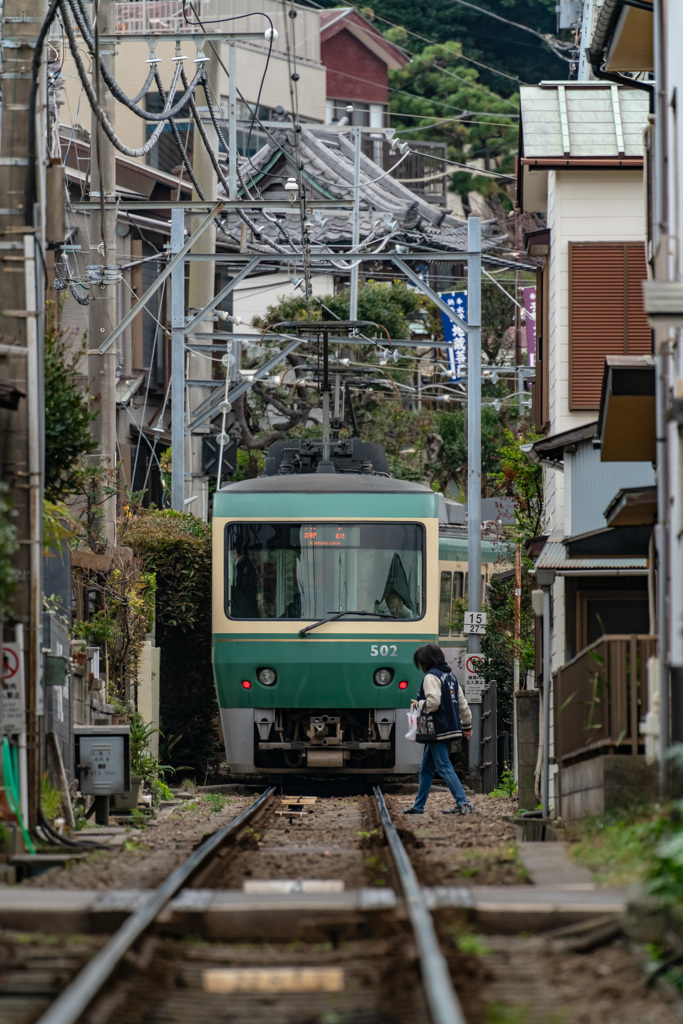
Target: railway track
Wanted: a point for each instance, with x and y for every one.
(354, 945)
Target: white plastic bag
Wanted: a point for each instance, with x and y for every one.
(413, 715)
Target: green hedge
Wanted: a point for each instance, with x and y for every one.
(177, 548)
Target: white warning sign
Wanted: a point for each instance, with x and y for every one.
(13, 711)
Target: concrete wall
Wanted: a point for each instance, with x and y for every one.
(148, 690)
(131, 72)
(604, 784)
(527, 703)
(253, 296)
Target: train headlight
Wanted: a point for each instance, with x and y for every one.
(383, 676)
(266, 676)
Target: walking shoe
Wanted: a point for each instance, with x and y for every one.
(412, 810)
(466, 808)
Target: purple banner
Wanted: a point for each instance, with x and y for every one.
(530, 319)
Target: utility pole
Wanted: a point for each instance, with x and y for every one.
(22, 163)
(103, 276)
(584, 73)
(474, 454)
(355, 237)
(200, 292)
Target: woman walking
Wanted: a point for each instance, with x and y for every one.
(441, 696)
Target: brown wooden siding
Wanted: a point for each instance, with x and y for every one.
(606, 315)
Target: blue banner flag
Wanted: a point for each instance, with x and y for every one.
(456, 339)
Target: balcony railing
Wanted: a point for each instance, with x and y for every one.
(599, 698)
(423, 171)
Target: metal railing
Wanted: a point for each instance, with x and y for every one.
(423, 171)
(489, 737)
(599, 698)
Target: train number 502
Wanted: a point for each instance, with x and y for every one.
(383, 650)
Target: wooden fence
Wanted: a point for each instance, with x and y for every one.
(599, 698)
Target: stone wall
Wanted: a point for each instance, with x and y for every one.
(526, 706)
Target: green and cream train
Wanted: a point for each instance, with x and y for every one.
(326, 580)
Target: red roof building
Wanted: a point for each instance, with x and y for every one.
(358, 59)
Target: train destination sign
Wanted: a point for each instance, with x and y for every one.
(327, 535)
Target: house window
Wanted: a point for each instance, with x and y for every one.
(336, 109)
(609, 612)
(165, 155)
(606, 315)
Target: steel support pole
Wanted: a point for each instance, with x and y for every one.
(232, 121)
(474, 455)
(178, 364)
(355, 235)
(104, 276)
(158, 281)
(545, 771)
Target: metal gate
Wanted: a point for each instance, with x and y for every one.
(489, 738)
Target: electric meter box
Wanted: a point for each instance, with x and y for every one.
(102, 759)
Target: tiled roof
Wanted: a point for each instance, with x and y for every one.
(389, 211)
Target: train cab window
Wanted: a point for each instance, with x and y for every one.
(445, 604)
(313, 570)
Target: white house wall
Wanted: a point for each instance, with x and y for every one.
(131, 71)
(254, 295)
(583, 206)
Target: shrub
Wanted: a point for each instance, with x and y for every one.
(176, 547)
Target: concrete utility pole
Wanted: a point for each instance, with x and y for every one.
(474, 454)
(22, 163)
(200, 292)
(355, 238)
(584, 73)
(103, 276)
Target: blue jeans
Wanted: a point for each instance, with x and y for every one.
(436, 759)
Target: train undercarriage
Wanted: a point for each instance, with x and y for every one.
(360, 738)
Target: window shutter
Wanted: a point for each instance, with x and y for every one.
(638, 331)
(606, 315)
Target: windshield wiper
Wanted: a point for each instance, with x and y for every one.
(340, 615)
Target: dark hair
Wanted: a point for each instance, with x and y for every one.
(428, 657)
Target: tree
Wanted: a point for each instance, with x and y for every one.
(451, 463)
(475, 122)
(67, 417)
(511, 54)
(276, 412)
(524, 480)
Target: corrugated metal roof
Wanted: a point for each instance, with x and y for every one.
(554, 556)
(576, 119)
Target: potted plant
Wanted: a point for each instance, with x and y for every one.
(145, 770)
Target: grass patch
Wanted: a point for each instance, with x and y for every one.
(617, 850)
(216, 801)
(490, 863)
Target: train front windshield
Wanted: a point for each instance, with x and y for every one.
(312, 570)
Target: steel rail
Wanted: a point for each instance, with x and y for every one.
(76, 998)
(441, 997)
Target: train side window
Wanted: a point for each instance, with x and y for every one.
(458, 578)
(482, 586)
(445, 604)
